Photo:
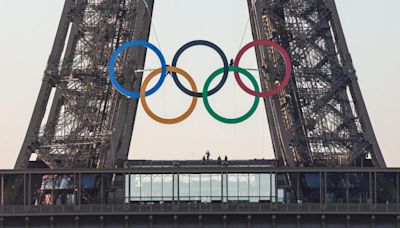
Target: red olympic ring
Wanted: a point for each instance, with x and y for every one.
(281, 51)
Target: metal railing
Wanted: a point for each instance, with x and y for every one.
(226, 208)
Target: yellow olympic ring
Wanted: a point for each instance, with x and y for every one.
(146, 107)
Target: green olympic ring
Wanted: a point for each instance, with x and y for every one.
(223, 119)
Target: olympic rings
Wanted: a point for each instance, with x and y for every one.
(285, 56)
(154, 116)
(113, 60)
(208, 44)
(205, 93)
(223, 119)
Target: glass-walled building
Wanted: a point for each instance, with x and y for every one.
(205, 184)
(202, 187)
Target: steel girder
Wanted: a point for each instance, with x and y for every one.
(89, 124)
(320, 118)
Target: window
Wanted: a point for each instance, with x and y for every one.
(195, 187)
(146, 187)
(176, 187)
(233, 187)
(254, 187)
(386, 188)
(309, 187)
(281, 195)
(184, 187)
(224, 187)
(272, 188)
(243, 186)
(336, 187)
(265, 187)
(135, 187)
(127, 186)
(216, 187)
(205, 187)
(167, 187)
(156, 188)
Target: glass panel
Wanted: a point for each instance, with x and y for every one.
(105, 186)
(233, 187)
(244, 187)
(284, 193)
(195, 187)
(205, 187)
(135, 187)
(265, 187)
(183, 187)
(294, 195)
(386, 188)
(254, 184)
(224, 187)
(37, 190)
(146, 187)
(127, 198)
(310, 187)
(89, 185)
(359, 188)
(51, 189)
(116, 196)
(176, 187)
(156, 188)
(272, 182)
(46, 187)
(336, 188)
(167, 187)
(216, 187)
(323, 187)
(281, 195)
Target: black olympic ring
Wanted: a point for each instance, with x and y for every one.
(208, 44)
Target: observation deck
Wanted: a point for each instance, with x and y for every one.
(189, 193)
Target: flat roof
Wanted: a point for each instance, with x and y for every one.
(208, 163)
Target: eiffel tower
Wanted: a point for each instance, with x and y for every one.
(320, 119)
(73, 168)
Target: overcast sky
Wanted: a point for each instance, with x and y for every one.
(372, 33)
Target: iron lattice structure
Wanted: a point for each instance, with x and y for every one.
(320, 119)
(89, 124)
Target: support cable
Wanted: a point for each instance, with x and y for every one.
(244, 33)
(152, 24)
(159, 47)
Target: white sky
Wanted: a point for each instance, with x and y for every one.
(371, 29)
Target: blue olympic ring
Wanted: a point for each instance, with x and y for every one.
(113, 60)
